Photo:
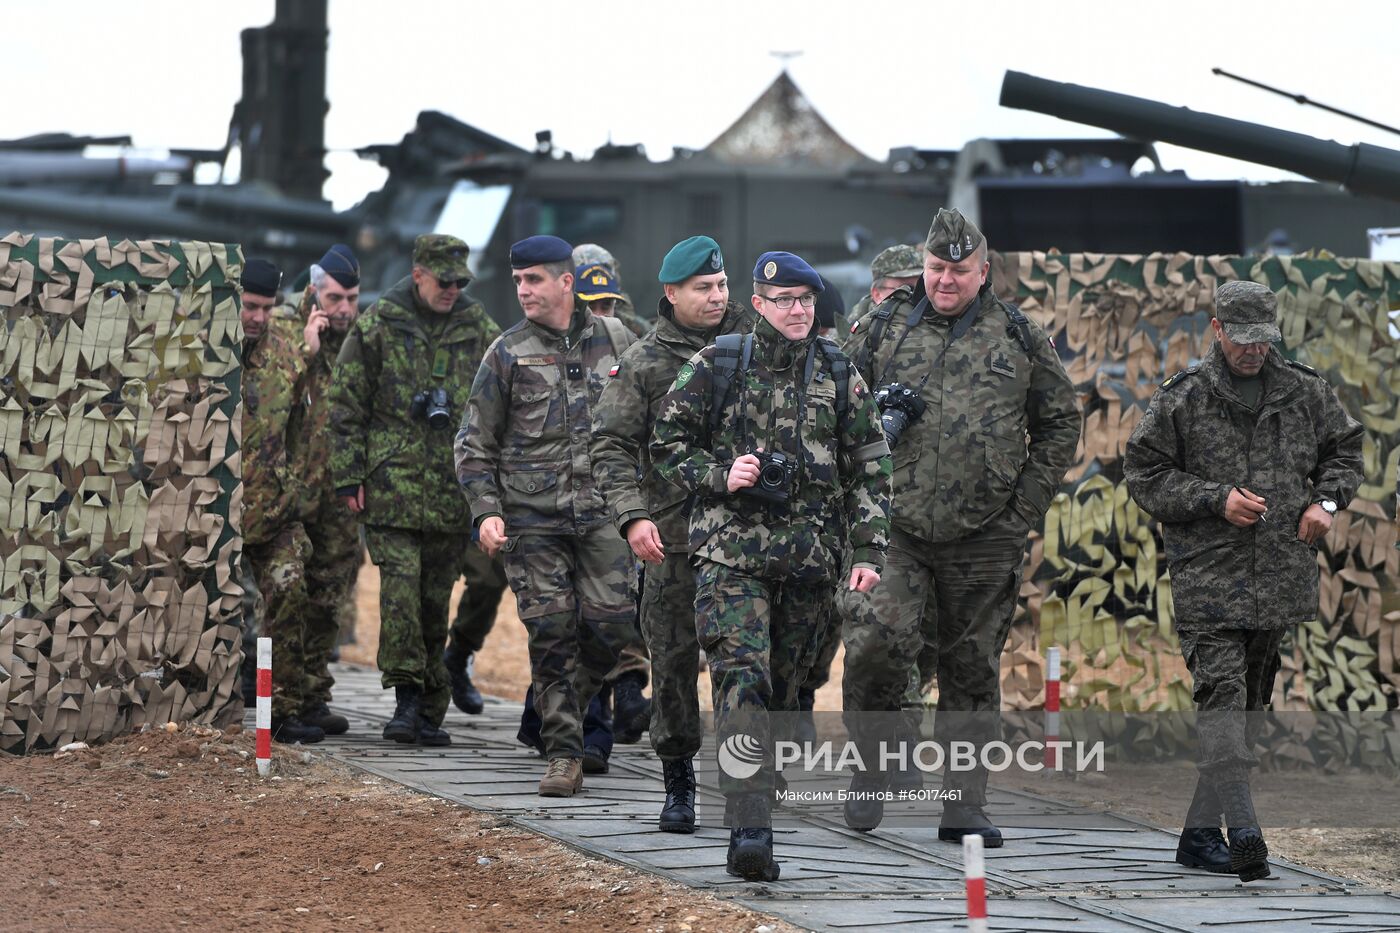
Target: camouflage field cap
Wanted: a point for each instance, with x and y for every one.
(952, 237)
(444, 256)
(1248, 312)
(591, 254)
(897, 262)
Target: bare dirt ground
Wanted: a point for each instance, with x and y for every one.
(1154, 795)
(174, 830)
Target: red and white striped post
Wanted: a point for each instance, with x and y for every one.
(975, 877)
(1052, 708)
(264, 752)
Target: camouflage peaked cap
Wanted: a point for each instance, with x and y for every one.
(897, 262)
(443, 256)
(591, 254)
(1248, 312)
(952, 236)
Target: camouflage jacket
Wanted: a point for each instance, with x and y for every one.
(1198, 441)
(623, 422)
(314, 460)
(841, 494)
(1001, 426)
(390, 354)
(522, 451)
(274, 388)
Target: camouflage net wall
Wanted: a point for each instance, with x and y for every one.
(1094, 582)
(119, 487)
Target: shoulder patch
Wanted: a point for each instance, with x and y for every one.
(1178, 377)
(616, 368)
(684, 375)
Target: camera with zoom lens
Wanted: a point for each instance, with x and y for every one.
(776, 471)
(430, 405)
(900, 406)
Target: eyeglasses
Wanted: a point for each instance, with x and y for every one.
(453, 283)
(785, 302)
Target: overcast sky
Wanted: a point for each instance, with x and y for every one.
(668, 74)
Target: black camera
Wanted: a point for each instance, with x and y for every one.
(776, 471)
(430, 405)
(900, 406)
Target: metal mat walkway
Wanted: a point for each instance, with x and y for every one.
(1063, 868)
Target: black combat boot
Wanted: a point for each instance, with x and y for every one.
(595, 760)
(292, 730)
(319, 714)
(865, 806)
(1202, 845)
(965, 820)
(805, 730)
(465, 696)
(430, 735)
(751, 841)
(404, 726)
(678, 814)
(631, 709)
(1249, 856)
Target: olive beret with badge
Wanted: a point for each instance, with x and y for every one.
(785, 270)
(596, 281)
(444, 256)
(697, 255)
(539, 251)
(261, 278)
(898, 262)
(340, 264)
(952, 237)
(1248, 312)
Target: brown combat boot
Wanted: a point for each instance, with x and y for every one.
(564, 778)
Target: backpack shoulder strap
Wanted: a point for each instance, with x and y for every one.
(1018, 326)
(840, 373)
(732, 354)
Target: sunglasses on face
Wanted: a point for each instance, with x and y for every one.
(453, 283)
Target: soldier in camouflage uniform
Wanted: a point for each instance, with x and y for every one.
(973, 474)
(1244, 459)
(405, 369)
(275, 543)
(766, 536)
(317, 324)
(591, 254)
(523, 461)
(653, 514)
(894, 268)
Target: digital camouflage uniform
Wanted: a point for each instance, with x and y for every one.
(416, 522)
(1238, 590)
(522, 453)
(972, 476)
(622, 427)
(330, 527)
(764, 572)
(274, 492)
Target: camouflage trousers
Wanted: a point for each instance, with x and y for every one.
(416, 573)
(330, 576)
(955, 600)
(575, 595)
(476, 610)
(759, 637)
(668, 624)
(1233, 674)
(279, 566)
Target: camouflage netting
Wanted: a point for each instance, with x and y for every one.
(1096, 583)
(119, 487)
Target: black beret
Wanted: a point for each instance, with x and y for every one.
(538, 250)
(340, 264)
(829, 304)
(261, 278)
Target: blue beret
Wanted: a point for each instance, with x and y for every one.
(785, 270)
(340, 264)
(538, 250)
(697, 255)
(261, 278)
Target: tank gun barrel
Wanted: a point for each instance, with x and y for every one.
(1362, 168)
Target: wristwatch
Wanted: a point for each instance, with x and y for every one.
(1328, 506)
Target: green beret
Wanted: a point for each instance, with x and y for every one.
(698, 255)
(952, 236)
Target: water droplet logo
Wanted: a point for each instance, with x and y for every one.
(740, 756)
